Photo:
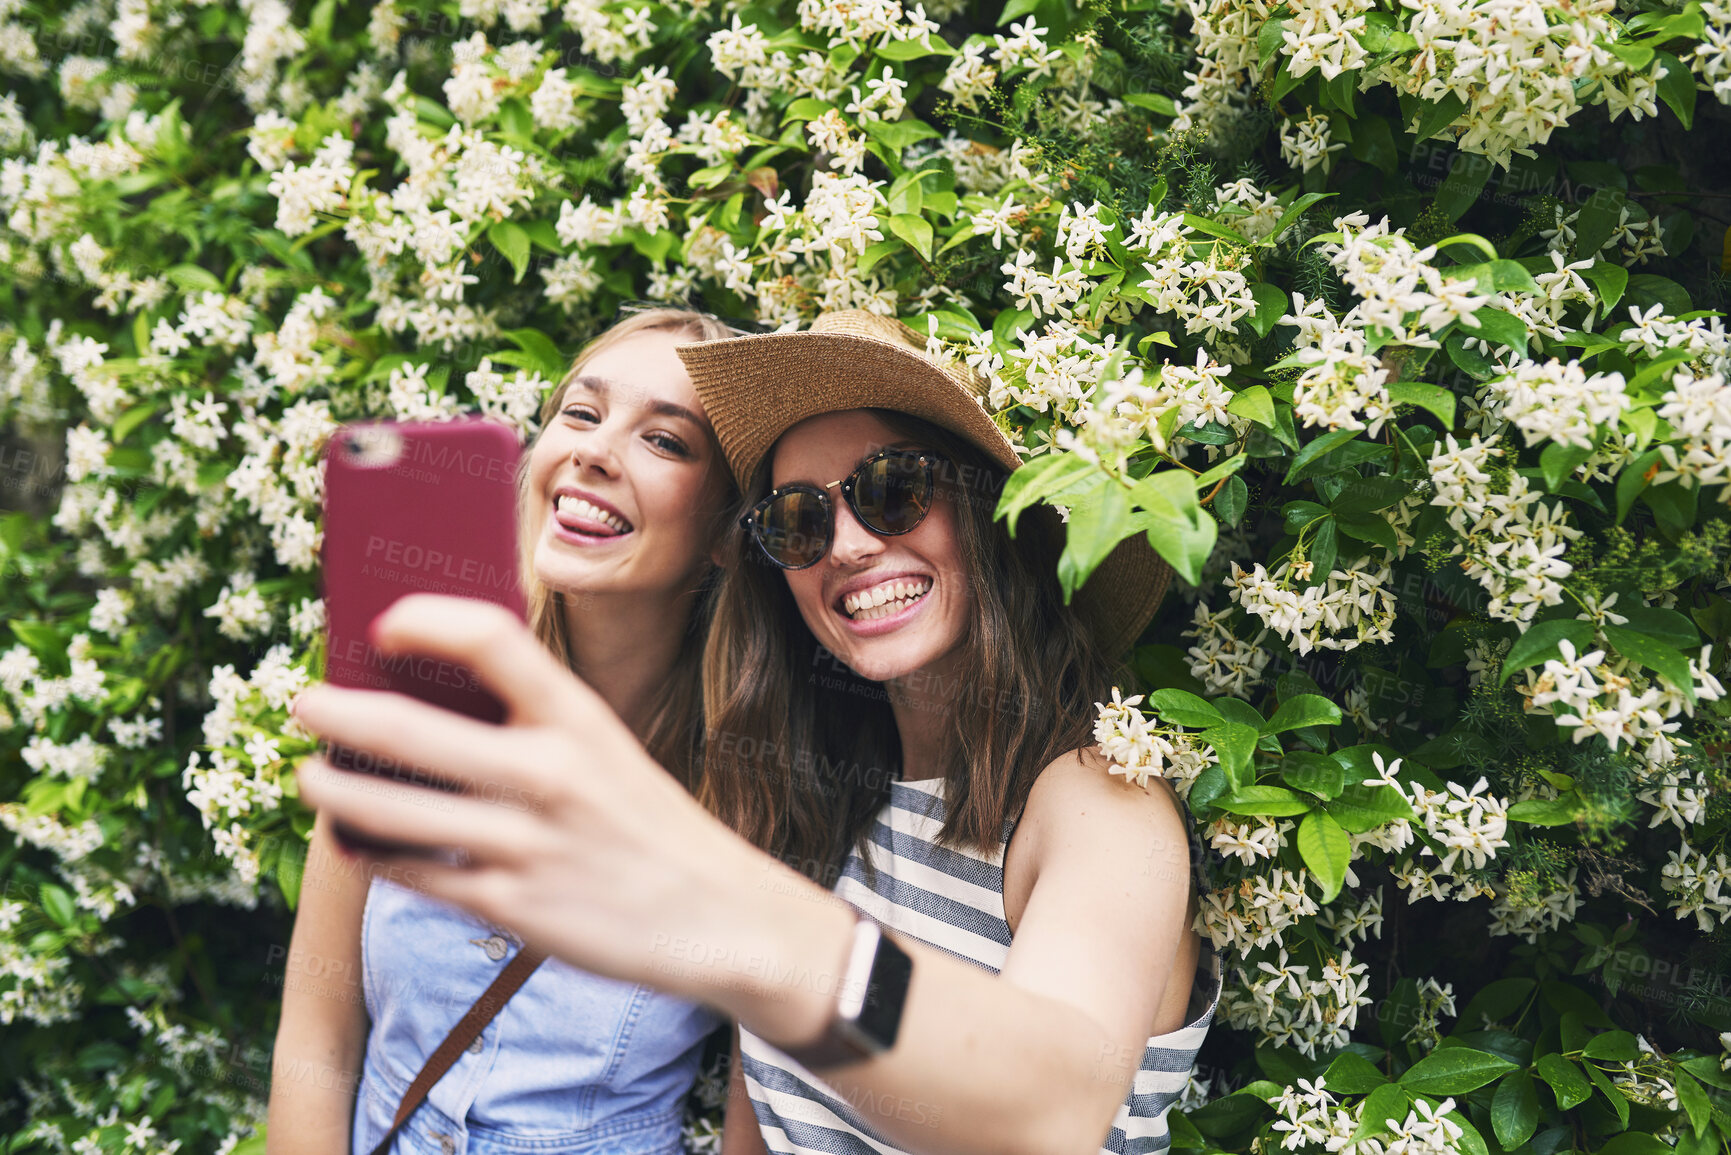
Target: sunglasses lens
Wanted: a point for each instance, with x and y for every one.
(794, 529)
(893, 494)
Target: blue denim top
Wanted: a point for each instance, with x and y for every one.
(573, 1065)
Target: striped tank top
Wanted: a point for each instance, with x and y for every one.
(952, 898)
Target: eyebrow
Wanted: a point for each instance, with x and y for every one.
(602, 387)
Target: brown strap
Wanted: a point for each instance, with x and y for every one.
(491, 1002)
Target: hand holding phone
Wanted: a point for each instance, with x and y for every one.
(415, 507)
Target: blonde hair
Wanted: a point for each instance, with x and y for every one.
(675, 731)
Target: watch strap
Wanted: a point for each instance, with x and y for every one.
(869, 999)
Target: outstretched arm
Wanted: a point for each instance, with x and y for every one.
(579, 841)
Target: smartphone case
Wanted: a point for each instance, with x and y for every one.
(416, 507)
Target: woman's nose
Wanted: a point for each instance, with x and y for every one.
(599, 450)
(853, 541)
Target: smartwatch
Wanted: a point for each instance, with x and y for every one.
(869, 999)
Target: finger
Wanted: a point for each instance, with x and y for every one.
(534, 685)
(383, 810)
(417, 741)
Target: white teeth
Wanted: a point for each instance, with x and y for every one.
(883, 600)
(591, 512)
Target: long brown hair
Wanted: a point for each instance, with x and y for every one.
(675, 732)
(801, 750)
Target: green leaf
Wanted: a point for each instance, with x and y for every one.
(1263, 801)
(1181, 708)
(1558, 462)
(513, 244)
(1363, 808)
(1540, 812)
(1326, 849)
(915, 230)
(1235, 744)
(57, 904)
(914, 49)
(1178, 528)
(1434, 398)
(1434, 116)
(1302, 710)
(1221, 470)
(192, 279)
(133, 418)
(1316, 450)
(42, 638)
(1662, 625)
(1454, 1071)
(1500, 328)
(1043, 477)
(1315, 773)
(1540, 644)
(1215, 229)
(806, 108)
(1152, 101)
(1655, 655)
(1271, 305)
(897, 135)
(1269, 38)
(1613, 1046)
(1497, 275)
(1619, 1102)
(1515, 1110)
(1099, 520)
(1387, 1102)
(1371, 529)
(1567, 1083)
(1599, 219)
(875, 253)
(1232, 500)
(1254, 403)
(1695, 1103)
(1677, 88)
(1295, 210)
(1352, 1074)
(1609, 280)
(549, 361)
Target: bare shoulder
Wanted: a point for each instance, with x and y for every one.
(1077, 801)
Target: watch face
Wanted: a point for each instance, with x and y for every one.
(886, 992)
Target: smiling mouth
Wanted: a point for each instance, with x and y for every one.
(585, 517)
(880, 601)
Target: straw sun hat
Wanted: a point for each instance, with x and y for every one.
(756, 388)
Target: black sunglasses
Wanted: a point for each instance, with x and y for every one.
(890, 493)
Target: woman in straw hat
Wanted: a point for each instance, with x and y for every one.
(902, 678)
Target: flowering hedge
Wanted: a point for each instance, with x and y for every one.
(1380, 320)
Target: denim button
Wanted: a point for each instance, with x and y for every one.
(494, 946)
(475, 1047)
(447, 1145)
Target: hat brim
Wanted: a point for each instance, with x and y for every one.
(758, 387)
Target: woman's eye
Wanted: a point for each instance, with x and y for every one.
(581, 413)
(668, 443)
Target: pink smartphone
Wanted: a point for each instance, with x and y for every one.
(415, 507)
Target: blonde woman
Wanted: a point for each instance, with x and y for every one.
(621, 497)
